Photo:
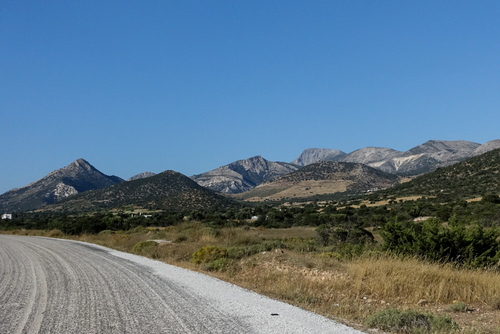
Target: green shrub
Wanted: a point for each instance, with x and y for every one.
(208, 254)
(458, 307)
(143, 245)
(410, 321)
(216, 265)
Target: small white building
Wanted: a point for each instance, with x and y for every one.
(7, 216)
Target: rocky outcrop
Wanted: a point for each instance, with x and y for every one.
(371, 156)
(141, 176)
(312, 155)
(75, 178)
(243, 175)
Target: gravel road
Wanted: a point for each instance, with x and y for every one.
(60, 286)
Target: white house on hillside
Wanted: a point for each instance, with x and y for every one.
(7, 216)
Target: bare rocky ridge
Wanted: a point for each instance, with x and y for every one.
(371, 156)
(141, 176)
(486, 147)
(420, 159)
(243, 175)
(312, 155)
(75, 178)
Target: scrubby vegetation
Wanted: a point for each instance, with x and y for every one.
(410, 321)
(335, 278)
(431, 246)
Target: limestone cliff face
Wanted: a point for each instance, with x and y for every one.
(370, 155)
(312, 155)
(243, 175)
(420, 159)
(75, 178)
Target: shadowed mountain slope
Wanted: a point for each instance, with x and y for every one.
(168, 191)
(75, 178)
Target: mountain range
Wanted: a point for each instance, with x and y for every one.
(322, 177)
(168, 190)
(418, 160)
(244, 175)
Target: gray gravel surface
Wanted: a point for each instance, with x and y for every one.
(60, 286)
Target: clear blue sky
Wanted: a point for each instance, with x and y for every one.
(135, 86)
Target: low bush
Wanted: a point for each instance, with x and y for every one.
(141, 246)
(208, 254)
(458, 307)
(410, 321)
(216, 265)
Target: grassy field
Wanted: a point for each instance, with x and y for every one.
(296, 190)
(288, 264)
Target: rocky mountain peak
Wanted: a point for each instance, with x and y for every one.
(76, 177)
(434, 146)
(370, 155)
(243, 174)
(312, 155)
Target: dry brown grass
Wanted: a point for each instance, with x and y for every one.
(349, 291)
(411, 280)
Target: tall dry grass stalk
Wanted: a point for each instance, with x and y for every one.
(410, 280)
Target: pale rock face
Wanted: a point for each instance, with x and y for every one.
(61, 191)
(242, 175)
(486, 147)
(141, 176)
(312, 155)
(420, 159)
(370, 155)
